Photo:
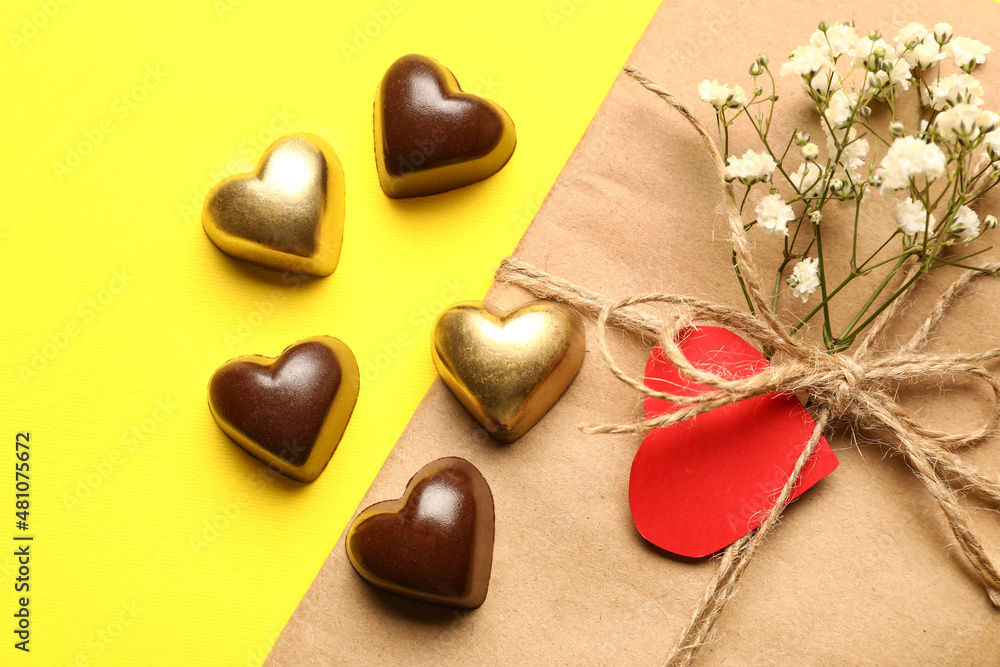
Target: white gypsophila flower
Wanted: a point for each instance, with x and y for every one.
(836, 41)
(912, 217)
(805, 278)
(773, 214)
(988, 121)
(965, 224)
(807, 179)
(825, 82)
(721, 96)
(810, 151)
(956, 89)
(807, 61)
(943, 32)
(911, 33)
(924, 54)
(839, 109)
(751, 168)
(898, 77)
(853, 150)
(864, 48)
(991, 142)
(966, 52)
(959, 122)
(910, 157)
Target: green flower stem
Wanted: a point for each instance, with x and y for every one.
(849, 332)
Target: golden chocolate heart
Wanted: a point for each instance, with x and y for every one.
(508, 369)
(287, 214)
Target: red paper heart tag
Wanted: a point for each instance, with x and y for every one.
(698, 486)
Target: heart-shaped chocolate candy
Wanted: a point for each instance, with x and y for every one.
(287, 214)
(508, 369)
(435, 544)
(289, 412)
(430, 136)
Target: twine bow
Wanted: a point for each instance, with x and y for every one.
(856, 389)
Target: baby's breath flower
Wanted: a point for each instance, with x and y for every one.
(816, 217)
(912, 217)
(911, 33)
(853, 151)
(807, 179)
(909, 157)
(988, 121)
(960, 122)
(956, 89)
(943, 33)
(810, 152)
(870, 52)
(825, 83)
(896, 77)
(992, 144)
(807, 61)
(966, 52)
(839, 109)
(836, 40)
(805, 278)
(965, 224)
(773, 214)
(802, 138)
(721, 96)
(751, 168)
(924, 54)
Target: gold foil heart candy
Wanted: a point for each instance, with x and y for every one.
(287, 214)
(508, 369)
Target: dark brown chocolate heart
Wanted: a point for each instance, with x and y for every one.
(435, 544)
(290, 412)
(430, 136)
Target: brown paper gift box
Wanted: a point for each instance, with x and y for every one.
(863, 568)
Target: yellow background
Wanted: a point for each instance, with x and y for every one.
(157, 540)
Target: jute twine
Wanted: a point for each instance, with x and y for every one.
(854, 389)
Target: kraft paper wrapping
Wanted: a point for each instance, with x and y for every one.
(863, 568)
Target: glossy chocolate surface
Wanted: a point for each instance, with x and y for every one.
(435, 544)
(287, 214)
(432, 137)
(291, 411)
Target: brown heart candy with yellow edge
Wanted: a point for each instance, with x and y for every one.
(508, 369)
(291, 411)
(435, 543)
(287, 214)
(430, 136)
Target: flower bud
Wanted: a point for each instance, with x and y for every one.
(876, 180)
(838, 186)
(864, 112)
(886, 66)
(943, 33)
(816, 217)
(990, 222)
(823, 26)
(875, 35)
(801, 138)
(896, 128)
(792, 281)
(762, 60)
(758, 91)
(756, 69)
(810, 152)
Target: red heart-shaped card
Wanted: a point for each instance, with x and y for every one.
(698, 486)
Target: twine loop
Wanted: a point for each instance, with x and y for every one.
(857, 389)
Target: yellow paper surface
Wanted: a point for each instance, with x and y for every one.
(156, 539)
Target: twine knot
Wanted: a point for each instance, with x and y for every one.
(852, 388)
